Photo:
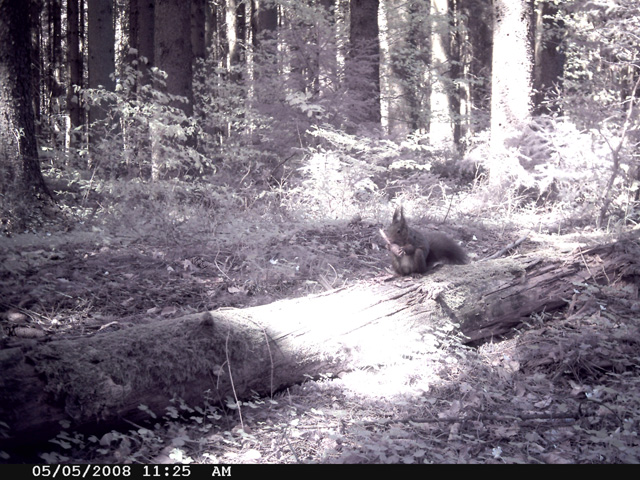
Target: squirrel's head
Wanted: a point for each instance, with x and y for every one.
(398, 228)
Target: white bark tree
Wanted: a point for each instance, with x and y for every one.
(511, 89)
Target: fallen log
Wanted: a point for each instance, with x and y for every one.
(501, 301)
(95, 380)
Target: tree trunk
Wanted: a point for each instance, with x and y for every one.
(173, 55)
(234, 353)
(145, 32)
(363, 67)
(477, 52)
(440, 131)
(231, 34)
(198, 29)
(54, 87)
(417, 92)
(21, 181)
(74, 72)
(323, 67)
(406, 50)
(456, 90)
(548, 66)
(511, 83)
(37, 64)
(101, 64)
(101, 49)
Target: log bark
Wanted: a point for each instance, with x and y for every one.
(536, 285)
(93, 381)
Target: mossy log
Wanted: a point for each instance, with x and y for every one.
(96, 380)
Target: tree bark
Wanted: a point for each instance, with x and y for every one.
(511, 82)
(173, 53)
(174, 56)
(74, 71)
(440, 131)
(363, 65)
(198, 29)
(95, 380)
(101, 63)
(478, 49)
(145, 35)
(548, 65)
(101, 70)
(54, 89)
(21, 181)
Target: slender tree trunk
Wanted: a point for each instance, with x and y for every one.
(146, 33)
(455, 71)
(74, 72)
(325, 61)
(21, 181)
(212, 34)
(477, 57)
(172, 52)
(235, 33)
(36, 61)
(54, 87)
(440, 128)
(363, 69)
(548, 66)
(511, 87)
(417, 93)
(101, 63)
(198, 24)
(173, 55)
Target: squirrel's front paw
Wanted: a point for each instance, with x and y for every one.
(397, 250)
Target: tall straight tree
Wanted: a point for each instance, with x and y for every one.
(419, 49)
(476, 54)
(54, 89)
(101, 62)
(74, 70)
(548, 66)
(234, 34)
(511, 87)
(145, 35)
(325, 36)
(440, 127)
(363, 63)
(174, 56)
(456, 90)
(264, 24)
(21, 181)
(198, 28)
(172, 52)
(35, 9)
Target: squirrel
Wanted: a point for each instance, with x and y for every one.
(416, 252)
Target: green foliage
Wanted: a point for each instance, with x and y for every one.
(602, 59)
(339, 176)
(600, 94)
(145, 130)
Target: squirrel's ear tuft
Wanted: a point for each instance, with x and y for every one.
(398, 215)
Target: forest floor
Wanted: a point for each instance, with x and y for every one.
(451, 404)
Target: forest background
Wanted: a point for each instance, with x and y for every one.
(233, 152)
